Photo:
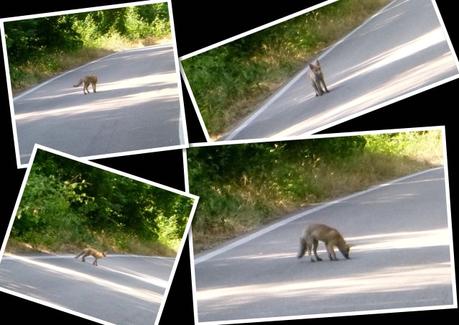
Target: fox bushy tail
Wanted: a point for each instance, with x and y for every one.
(79, 83)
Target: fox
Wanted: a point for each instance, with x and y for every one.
(330, 236)
(93, 252)
(317, 78)
(86, 81)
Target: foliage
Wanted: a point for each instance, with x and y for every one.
(229, 80)
(67, 202)
(244, 186)
(263, 176)
(41, 41)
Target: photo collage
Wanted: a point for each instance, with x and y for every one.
(236, 165)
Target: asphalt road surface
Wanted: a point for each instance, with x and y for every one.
(400, 50)
(136, 107)
(121, 289)
(401, 259)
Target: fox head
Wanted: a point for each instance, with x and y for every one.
(345, 249)
(104, 254)
(315, 67)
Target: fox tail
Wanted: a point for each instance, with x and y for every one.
(79, 83)
(303, 247)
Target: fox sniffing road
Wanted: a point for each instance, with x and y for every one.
(330, 236)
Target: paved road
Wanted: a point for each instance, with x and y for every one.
(401, 259)
(121, 290)
(136, 107)
(400, 50)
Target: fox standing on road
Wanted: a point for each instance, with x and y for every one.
(86, 81)
(94, 253)
(330, 236)
(317, 78)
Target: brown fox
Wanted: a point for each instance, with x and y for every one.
(330, 236)
(94, 253)
(86, 81)
(317, 78)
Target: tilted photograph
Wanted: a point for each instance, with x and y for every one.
(317, 68)
(335, 225)
(94, 83)
(94, 242)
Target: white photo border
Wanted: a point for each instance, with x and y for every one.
(183, 132)
(246, 238)
(117, 172)
(298, 75)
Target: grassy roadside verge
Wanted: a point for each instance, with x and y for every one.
(109, 243)
(278, 178)
(230, 81)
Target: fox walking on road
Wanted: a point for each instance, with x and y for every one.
(317, 78)
(86, 81)
(330, 236)
(91, 252)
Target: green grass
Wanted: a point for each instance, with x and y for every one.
(119, 243)
(244, 201)
(230, 81)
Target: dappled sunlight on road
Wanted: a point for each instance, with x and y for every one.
(400, 52)
(275, 256)
(372, 83)
(111, 96)
(386, 241)
(390, 279)
(397, 85)
(387, 277)
(401, 240)
(144, 278)
(142, 294)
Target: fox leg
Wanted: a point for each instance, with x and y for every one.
(309, 245)
(324, 86)
(331, 252)
(83, 258)
(317, 89)
(95, 262)
(315, 243)
(94, 87)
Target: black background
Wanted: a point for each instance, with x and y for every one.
(198, 24)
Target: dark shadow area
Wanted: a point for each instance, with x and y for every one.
(162, 167)
(180, 292)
